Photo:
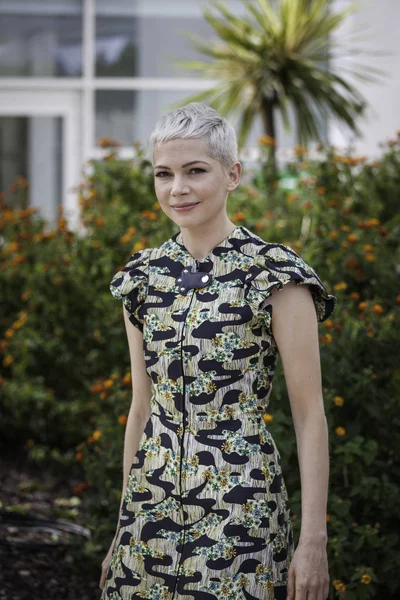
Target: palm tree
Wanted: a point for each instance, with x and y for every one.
(278, 55)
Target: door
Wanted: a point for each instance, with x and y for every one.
(40, 142)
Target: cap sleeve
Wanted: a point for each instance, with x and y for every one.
(130, 285)
(275, 266)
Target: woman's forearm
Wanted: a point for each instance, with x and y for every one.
(313, 453)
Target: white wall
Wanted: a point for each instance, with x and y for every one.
(381, 20)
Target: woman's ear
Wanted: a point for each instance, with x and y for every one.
(234, 174)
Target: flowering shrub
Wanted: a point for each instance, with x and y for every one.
(64, 364)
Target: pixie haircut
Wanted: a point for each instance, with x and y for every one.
(197, 120)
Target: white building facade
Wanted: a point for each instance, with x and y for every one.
(75, 71)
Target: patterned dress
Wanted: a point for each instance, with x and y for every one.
(206, 513)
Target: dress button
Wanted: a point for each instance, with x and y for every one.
(205, 278)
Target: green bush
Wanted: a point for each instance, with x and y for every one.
(65, 383)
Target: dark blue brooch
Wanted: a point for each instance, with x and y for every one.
(189, 279)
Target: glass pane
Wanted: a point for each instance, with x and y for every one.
(143, 39)
(129, 116)
(31, 151)
(40, 38)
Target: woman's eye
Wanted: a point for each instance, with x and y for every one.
(162, 174)
(197, 170)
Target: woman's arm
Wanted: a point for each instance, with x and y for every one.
(295, 330)
(140, 409)
(139, 414)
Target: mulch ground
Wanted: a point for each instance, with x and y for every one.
(34, 574)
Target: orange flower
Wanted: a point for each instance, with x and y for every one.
(352, 238)
(368, 248)
(266, 140)
(333, 234)
(122, 419)
(8, 360)
(268, 418)
(138, 246)
(345, 228)
(340, 431)
(327, 338)
(125, 239)
(107, 142)
(363, 305)
(339, 585)
(150, 215)
(299, 150)
(77, 489)
(108, 383)
(332, 203)
(103, 395)
(347, 210)
(338, 400)
(18, 259)
(398, 298)
(127, 379)
(328, 518)
(366, 579)
(342, 285)
(96, 389)
(307, 204)
(329, 324)
(79, 456)
(291, 197)
(320, 191)
(96, 435)
(345, 244)
(239, 216)
(377, 309)
(351, 263)
(355, 296)
(12, 247)
(370, 257)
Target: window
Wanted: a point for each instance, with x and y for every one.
(128, 116)
(143, 39)
(40, 38)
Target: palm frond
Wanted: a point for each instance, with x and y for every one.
(281, 53)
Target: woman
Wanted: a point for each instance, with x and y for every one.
(204, 509)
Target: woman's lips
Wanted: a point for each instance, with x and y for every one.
(186, 207)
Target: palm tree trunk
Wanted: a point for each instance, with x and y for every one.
(268, 119)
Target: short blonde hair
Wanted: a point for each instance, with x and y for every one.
(198, 120)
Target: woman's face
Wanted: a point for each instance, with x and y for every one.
(185, 174)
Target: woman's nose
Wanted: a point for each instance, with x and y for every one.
(179, 187)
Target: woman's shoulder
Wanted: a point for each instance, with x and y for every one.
(275, 264)
(256, 246)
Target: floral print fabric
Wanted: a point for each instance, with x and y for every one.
(206, 513)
